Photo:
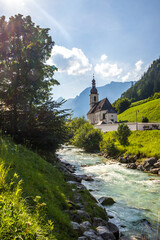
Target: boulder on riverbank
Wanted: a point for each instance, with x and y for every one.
(151, 165)
(128, 158)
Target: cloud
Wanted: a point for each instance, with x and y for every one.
(138, 65)
(103, 57)
(108, 69)
(73, 62)
(126, 77)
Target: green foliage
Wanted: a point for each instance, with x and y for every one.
(142, 143)
(122, 134)
(74, 124)
(145, 119)
(121, 104)
(149, 109)
(17, 220)
(28, 112)
(147, 85)
(109, 147)
(39, 178)
(87, 137)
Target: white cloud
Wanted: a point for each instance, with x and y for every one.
(73, 61)
(103, 57)
(108, 69)
(138, 65)
(126, 77)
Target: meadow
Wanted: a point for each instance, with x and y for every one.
(150, 109)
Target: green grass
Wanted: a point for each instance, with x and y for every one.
(150, 109)
(39, 178)
(143, 143)
(16, 220)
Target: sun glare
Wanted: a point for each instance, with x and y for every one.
(14, 4)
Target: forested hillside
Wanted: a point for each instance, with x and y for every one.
(147, 85)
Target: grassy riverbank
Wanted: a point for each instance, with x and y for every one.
(39, 178)
(36, 202)
(143, 143)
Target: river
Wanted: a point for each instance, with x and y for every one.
(137, 194)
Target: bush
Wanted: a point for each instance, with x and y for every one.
(87, 137)
(109, 147)
(145, 120)
(122, 134)
(121, 104)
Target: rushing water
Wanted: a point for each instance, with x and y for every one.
(137, 194)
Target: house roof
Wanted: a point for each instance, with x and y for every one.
(102, 105)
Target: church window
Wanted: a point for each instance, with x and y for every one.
(94, 98)
(103, 115)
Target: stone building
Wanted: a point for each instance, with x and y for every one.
(101, 112)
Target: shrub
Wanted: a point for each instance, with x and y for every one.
(110, 148)
(88, 138)
(122, 134)
(145, 119)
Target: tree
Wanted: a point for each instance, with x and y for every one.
(74, 124)
(121, 104)
(122, 133)
(26, 80)
(28, 111)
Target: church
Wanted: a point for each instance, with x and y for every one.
(101, 112)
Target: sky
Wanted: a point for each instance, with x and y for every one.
(117, 40)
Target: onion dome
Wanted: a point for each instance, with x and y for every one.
(93, 89)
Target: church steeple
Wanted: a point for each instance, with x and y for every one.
(94, 93)
(93, 89)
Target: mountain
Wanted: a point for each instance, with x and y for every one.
(80, 104)
(147, 85)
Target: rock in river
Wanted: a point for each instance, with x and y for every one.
(106, 201)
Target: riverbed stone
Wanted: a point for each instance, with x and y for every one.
(90, 234)
(82, 238)
(148, 163)
(155, 170)
(105, 233)
(140, 167)
(98, 222)
(113, 228)
(131, 165)
(86, 225)
(83, 214)
(157, 164)
(123, 159)
(106, 201)
(77, 228)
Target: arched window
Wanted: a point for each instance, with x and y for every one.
(94, 98)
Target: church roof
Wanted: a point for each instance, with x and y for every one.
(102, 105)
